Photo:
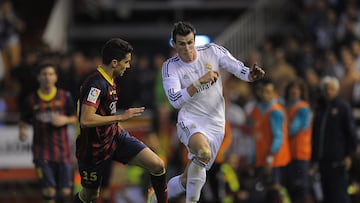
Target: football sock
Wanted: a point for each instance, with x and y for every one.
(195, 181)
(175, 187)
(159, 184)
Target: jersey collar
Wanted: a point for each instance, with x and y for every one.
(45, 96)
(105, 75)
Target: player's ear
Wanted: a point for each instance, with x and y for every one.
(172, 43)
(114, 62)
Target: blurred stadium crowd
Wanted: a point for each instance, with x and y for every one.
(324, 40)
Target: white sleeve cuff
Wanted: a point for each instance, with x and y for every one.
(245, 76)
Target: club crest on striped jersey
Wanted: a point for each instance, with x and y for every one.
(93, 95)
(208, 67)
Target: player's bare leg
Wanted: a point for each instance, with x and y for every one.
(148, 160)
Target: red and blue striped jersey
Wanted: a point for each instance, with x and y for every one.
(49, 142)
(96, 144)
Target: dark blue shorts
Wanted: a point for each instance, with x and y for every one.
(93, 176)
(54, 174)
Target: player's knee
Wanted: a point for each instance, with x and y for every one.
(158, 167)
(65, 193)
(89, 195)
(49, 193)
(203, 155)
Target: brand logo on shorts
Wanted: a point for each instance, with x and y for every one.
(193, 126)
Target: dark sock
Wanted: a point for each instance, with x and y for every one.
(273, 196)
(66, 199)
(160, 187)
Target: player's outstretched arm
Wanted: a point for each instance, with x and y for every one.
(89, 117)
(61, 120)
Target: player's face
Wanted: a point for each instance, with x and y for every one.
(47, 77)
(122, 65)
(185, 47)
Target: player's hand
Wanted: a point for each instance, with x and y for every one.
(23, 135)
(256, 73)
(211, 76)
(59, 120)
(133, 112)
(347, 163)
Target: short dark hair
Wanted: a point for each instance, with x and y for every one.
(303, 89)
(115, 48)
(182, 28)
(44, 65)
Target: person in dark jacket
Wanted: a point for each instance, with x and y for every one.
(333, 141)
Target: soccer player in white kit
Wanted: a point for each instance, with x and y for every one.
(193, 85)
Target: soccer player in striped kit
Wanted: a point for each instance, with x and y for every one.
(50, 110)
(193, 85)
(101, 139)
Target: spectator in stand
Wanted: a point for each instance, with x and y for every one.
(333, 141)
(332, 66)
(326, 31)
(351, 76)
(25, 75)
(293, 54)
(355, 48)
(349, 24)
(282, 72)
(10, 47)
(67, 79)
(145, 80)
(267, 52)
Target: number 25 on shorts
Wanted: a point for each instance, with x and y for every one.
(92, 176)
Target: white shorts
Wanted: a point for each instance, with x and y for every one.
(185, 129)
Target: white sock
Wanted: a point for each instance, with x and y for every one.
(195, 181)
(175, 187)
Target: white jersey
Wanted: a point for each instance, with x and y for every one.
(206, 107)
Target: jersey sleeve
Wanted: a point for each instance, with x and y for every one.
(176, 95)
(91, 93)
(231, 64)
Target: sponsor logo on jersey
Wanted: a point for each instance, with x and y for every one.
(111, 92)
(112, 107)
(93, 95)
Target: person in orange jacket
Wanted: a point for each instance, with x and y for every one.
(299, 117)
(272, 153)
